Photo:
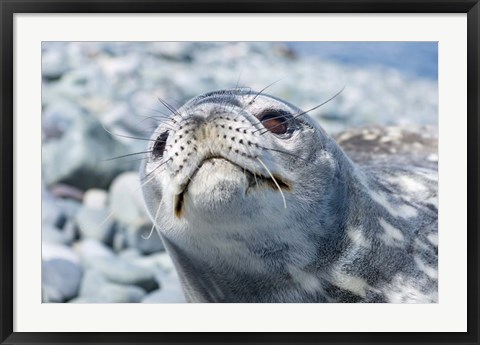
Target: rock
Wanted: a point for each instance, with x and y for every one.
(86, 84)
(52, 251)
(56, 218)
(95, 198)
(81, 82)
(81, 157)
(141, 237)
(96, 288)
(65, 191)
(68, 207)
(90, 299)
(120, 67)
(92, 283)
(165, 295)
(121, 271)
(174, 51)
(129, 254)
(60, 280)
(58, 117)
(61, 236)
(145, 238)
(51, 213)
(95, 224)
(126, 203)
(119, 242)
(159, 262)
(171, 291)
(54, 63)
(126, 200)
(91, 250)
(57, 223)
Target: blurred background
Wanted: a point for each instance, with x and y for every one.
(97, 240)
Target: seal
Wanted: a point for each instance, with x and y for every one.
(255, 202)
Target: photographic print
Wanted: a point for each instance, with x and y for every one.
(239, 172)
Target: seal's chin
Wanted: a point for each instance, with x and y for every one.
(218, 184)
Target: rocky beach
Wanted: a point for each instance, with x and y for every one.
(100, 103)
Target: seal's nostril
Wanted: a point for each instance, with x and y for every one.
(159, 145)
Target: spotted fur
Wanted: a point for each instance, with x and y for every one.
(351, 232)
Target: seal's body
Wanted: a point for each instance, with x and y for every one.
(256, 203)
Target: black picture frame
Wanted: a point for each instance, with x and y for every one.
(10, 7)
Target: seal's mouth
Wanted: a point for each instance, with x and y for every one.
(255, 180)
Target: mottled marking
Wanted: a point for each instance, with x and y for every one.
(391, 235)
(401, 210)
(433, 238)
(430, 271)
(358, 238)
(421, 245)
(355, 285)
(408, 183)
(307, 281)
(405, 289)
(360, 223)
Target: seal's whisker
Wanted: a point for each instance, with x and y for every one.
(150, 233)
(122, 135)
(154, 222)
(262, 90)
(339, 204)
(163, 119)
(157, 167)
(162, 114)
(127, 155)
(255, 177)
(307, 111)
(106, 219)
(258, 94)
(163, 122)
(170, 107)
(126, 136)
(142, 184)
(238, 80)
(287, 153)
(197, 168)
(270, 119)
(275, 181)
(323, 103)
(135, 160)
(252, 125)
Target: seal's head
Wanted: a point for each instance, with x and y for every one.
(236, 176)
(235, 157)
(256, 203)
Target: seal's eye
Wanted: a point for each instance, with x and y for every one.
(159, 146)
(275, 122)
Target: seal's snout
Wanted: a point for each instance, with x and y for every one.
(222, 145)
(215, 152)
(225, 135)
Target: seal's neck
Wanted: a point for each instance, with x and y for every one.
(300, 251)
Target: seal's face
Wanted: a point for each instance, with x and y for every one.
(254, 202)
(226, 156)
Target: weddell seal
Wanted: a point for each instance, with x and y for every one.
(255, 202)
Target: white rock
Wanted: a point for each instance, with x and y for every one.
(95, 198)
(58, 251)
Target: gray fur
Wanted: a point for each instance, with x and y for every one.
(351, 232)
